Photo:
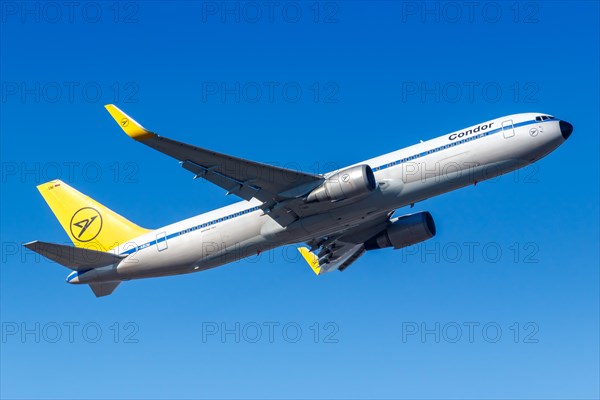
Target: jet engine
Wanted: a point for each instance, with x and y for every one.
(404, 231)
(345, 184)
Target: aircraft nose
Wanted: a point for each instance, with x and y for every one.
(565, 129)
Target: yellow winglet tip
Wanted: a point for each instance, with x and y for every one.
(311, 259)
(130, 126)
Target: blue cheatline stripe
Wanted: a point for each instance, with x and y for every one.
(189, 230)
(456, 143)
(75, 274)
(379, 168)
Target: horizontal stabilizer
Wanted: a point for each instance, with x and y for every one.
(75, 258)
(103, 288)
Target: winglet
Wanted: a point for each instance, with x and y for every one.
(132, 128)
(311, 259)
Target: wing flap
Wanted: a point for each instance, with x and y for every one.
(243, 189)
(339, 251)
(262, 181)
(338, 259)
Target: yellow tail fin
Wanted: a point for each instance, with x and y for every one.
(88, 223)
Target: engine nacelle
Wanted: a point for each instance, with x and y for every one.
(404, 231)
(345, 184)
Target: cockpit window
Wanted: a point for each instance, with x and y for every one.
(543, 118)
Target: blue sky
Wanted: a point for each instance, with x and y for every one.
(502, 303)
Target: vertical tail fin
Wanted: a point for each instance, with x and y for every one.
(88, 223)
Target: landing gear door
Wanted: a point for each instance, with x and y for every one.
(507, 129)
(161, 241)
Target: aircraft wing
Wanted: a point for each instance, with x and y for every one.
(339, 251)
(247, 179)
(340, 257)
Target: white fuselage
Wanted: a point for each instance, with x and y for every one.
(404, 177)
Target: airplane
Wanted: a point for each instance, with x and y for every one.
(339, 215)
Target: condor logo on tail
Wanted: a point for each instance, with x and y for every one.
(86, 224)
